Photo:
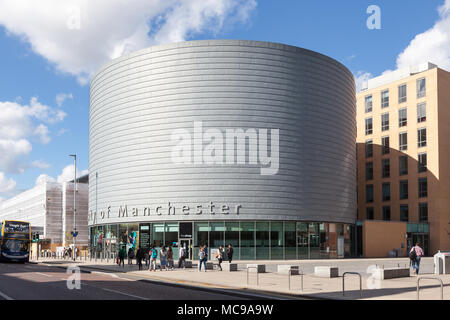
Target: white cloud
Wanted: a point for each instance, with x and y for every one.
(6, 185)
(68, 173)
(432, 45)
(79, 36)
(42, 132)
(44, 178)
(61, 97)
(40, 164)
(360, 78)
(11, 154)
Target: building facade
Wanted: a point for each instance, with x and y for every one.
(403, 151)
(223, 142)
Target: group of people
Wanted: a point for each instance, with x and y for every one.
(220, 255)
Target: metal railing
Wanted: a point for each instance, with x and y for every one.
(290, 274)
(257, 274)
(360, 282)
(430, 278)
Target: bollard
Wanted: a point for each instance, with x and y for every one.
(360, 282)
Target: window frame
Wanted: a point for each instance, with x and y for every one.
(420, 192)
(420, 167)
(369, 131)
(402, 122)
(385, 149)
(403, 196)
(401, 146)
(421, 143)
(388, 194)
(402, 99)
(420, 118)
(366, 108)
(385, 127)
(421, 94)
(384, 104)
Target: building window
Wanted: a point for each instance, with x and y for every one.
(369, 193)
(386, 213)
(369, 170)
(421, 88)
(422, 162)
(402, 93)
(402, 117)
(369, 213)
(385, 121)
(403, 165)
(369, 148)
(423, 187)
(403, 141)
(385, 168)
(403, 189)
(421, 112)
(385, 145)
(385, 99)
(368, 126)
(386, 191)
(423, 212)
(422, 137)
(368, 103)
(404, 212)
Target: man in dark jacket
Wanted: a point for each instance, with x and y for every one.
(230, 253)
(139, 257)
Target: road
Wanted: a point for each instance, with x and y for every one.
(41, 282)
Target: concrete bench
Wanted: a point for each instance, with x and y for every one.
(326, 272)
(260, 268)
(188, 263)
(229, 267)
(284, 269)
(391, 273)
(209, 265)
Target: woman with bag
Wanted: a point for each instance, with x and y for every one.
(163, 258)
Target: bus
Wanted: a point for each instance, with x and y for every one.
(15, 240)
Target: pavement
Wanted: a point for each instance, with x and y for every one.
(276, 286)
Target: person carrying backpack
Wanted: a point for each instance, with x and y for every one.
(154, 254)
(163, 259)
(414, 255)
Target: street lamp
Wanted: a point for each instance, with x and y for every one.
(74, 232)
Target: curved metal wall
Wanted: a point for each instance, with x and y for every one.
(139, 100)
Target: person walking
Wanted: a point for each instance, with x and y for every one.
(122, 254)
(203, 255)
(219, 257)
(163, 258)
(170, 258)
(230, 253)
(139, 257)
(182, 257)
(415, 254)
(130, 256)
(154, 255)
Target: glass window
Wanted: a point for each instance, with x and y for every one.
(421, 112)
(315, 243)
(201, 233)
(422, 162)
(290, 249)
(403, 141)
(247, 240)
(403, 189)
(423, 212)
(369, 148)
(402, 117)
(404, 212)
(385, 168)
(387, 213)
(422, 137)
(421, 88)
(369, 213)
(402, 93)
(217, 235)
(262, 241)
(385, 99)
(423, 186)
(368, 126)
(158, 234)
(232, 237)
(368, 103)
(369, 170)
(385, 122)
(385, 145)
(302, 240)
(386, 190)
(171, 237)
(276, 240)
(403, 165)
(369, 193)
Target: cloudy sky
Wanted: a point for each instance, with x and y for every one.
(51, 48)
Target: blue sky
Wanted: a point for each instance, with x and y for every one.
(41, 58)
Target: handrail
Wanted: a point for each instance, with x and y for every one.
(430, 278)
(257, 276)
(290, 274)
(360, 282)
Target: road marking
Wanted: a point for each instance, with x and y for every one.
(125, 294)
(43, 274)
(5, 296)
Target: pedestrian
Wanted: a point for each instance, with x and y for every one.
(414, 255)
(219, 256)
(154, 255)
(70, 252)
(130, 256)
(146, 258)
(182, 257)
(203, 255)
(170, 258)
(139, 257)
(122, 254)
(163, 258)
(230, 253)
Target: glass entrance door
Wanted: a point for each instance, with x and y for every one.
(187, 244)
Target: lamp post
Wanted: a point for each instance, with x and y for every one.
(74, 205)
